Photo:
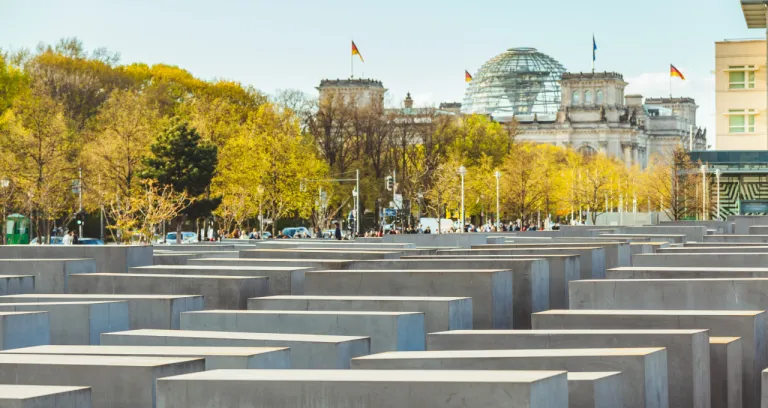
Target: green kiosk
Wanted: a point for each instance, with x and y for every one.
(17, 229)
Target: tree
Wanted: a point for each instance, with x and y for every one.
(672, 176)
(179, 159)
(521, 181)
(481, 180)
(44, 153)
(125, 129)
(445, 187)
(591, 190)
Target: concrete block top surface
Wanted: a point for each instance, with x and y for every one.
(80, 360)
(223, 267)
(591, 376)
(301, 312)
(22, 304)
(571, 331)
(162, 275)
(317, 338)
(671, 281)
(51, 260)
(22, 392)
(544, 353)
(2, 314)
(385, 376)
(414, 271)
(65, 296)
(723, 340)
(256, 261)
(686, 268)
(652, 312)
(314, 251)
(371, 298)
(144, 350)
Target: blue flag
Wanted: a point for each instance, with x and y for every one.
(594, 48)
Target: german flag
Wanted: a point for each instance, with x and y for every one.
(355, 51)
(675, 72)
(467, 76)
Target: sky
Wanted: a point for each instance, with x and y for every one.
(416, 46)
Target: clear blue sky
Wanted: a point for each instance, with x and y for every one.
(421, 46)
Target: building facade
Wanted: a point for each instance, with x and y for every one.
(596, 116)
(360, 92)
(740, 95)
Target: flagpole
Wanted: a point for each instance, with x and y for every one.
(670, 81)
(593, 53)
(352, 63)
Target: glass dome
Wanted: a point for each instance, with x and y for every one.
(519, 82)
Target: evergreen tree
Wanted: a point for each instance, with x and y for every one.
(181, 160)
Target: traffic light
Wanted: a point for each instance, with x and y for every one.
(389, 183)
(80, 217)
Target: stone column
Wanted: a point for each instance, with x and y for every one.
(603, 146)
(635, 153)
(626, 150)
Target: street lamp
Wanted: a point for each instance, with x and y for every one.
(4, 183)
(462, 171)
(260, 190)
(704, 192)
(498, 217)
(717, 176)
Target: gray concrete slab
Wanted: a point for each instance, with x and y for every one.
(282, 280)
(442, 240)
(108, 258)
(721, 226)
(693, 272)
(594, 390)
(749, 325)
(530, 280)
(44, 396)
(591, 259)
(365, 389)
(262, 262)
(331, 243)
(173, 258)
(711, 260)
(389, 331)
(617, 253)
(440, 313)
(687, 351)
(16, 284)
(317, 254)
(203, 247)
(725, 371)
(77, 322)
(51, 275)
(692, 232)
(145, 311)
(220, 292)
(741, 223)
(736, 238)
(491, 290)
(673, 238)
(216, 358)
(307, 351)
(708, 250)
(119, 382)
(758, 229)
(671, 294)
(643, 379)
(24, 329)
(562, 269)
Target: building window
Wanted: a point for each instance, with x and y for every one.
(587, 97)
(575, 98)
(741, 77)
(741, 121)
(599, 97)
(587, 151)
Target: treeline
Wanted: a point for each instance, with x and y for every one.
(155, 143)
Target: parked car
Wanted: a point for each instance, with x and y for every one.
(302, 231)
(80, 241)
(186, 238)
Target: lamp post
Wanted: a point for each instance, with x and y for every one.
(717, 176)
(498, 216)
(704, 192)
(4, 183)
(260, 190)
(462, 172)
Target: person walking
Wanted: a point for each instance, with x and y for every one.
(338, 232)
(67, 239)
